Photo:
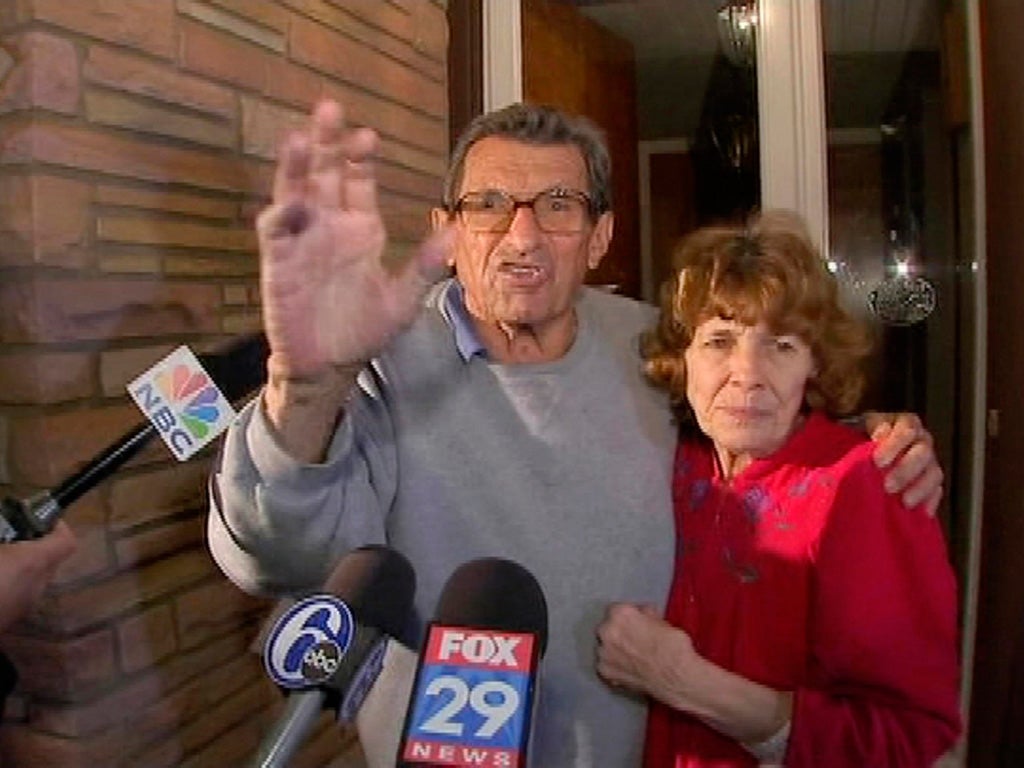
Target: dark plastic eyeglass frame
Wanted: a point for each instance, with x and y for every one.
(556, 192)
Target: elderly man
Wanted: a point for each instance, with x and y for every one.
(497, 413)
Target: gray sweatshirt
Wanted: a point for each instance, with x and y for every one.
(563, 467)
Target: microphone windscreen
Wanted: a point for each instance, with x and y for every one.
(240, 368)
(378, 584)
(494, 593)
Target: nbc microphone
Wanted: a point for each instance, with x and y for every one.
(473, 697)
(237, 370)
(328, 649)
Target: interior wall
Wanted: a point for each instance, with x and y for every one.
(670, 94)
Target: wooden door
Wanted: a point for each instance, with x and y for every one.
(672, 211)
(575, 64)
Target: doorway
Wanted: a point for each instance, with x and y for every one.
(858, 115)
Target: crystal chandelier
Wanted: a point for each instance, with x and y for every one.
(737, 31)
(903, 297)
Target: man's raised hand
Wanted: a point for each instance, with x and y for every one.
(327, 298)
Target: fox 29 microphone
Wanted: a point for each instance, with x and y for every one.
(473, 697)
(328, 649)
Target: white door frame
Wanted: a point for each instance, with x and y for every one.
(502, 53)
(791, 112)
(978, 420)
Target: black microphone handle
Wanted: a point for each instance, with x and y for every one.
(301, 711)
(378, 719)
(238, 370)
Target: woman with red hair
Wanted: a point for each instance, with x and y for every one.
(812, 619)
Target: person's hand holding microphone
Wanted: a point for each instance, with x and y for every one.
(26, 567)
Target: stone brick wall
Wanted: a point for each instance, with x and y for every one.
(136, 147)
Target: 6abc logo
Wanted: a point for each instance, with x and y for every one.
(308, 642)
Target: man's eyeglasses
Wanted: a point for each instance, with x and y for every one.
(557, 211)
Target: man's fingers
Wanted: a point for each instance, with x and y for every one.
(926, 490)
(327, 123)
(931, 506)
(917, 476)
(292, 171)
(342, 170)
(434, 254)
(327, 166)
(905, 450)
(327, 157)
(898, 437)
(424, 268)
(359, 174)
(911, 466)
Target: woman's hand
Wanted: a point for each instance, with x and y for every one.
(641, 652)
(635, 648)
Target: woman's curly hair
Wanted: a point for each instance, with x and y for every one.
(770, 271)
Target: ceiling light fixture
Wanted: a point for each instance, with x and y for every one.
(737, 31)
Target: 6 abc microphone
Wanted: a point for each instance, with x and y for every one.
(329, 649)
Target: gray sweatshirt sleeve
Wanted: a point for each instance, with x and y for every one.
(277, 526)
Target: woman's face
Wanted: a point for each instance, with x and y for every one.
(746, 386)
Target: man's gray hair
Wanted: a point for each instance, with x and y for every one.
(541, 125)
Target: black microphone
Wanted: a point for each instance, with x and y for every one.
(241, 367)
(237, 370)
(473, 698)
(329, 648)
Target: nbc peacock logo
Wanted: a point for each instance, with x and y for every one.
(192, 396)
(182, 402)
